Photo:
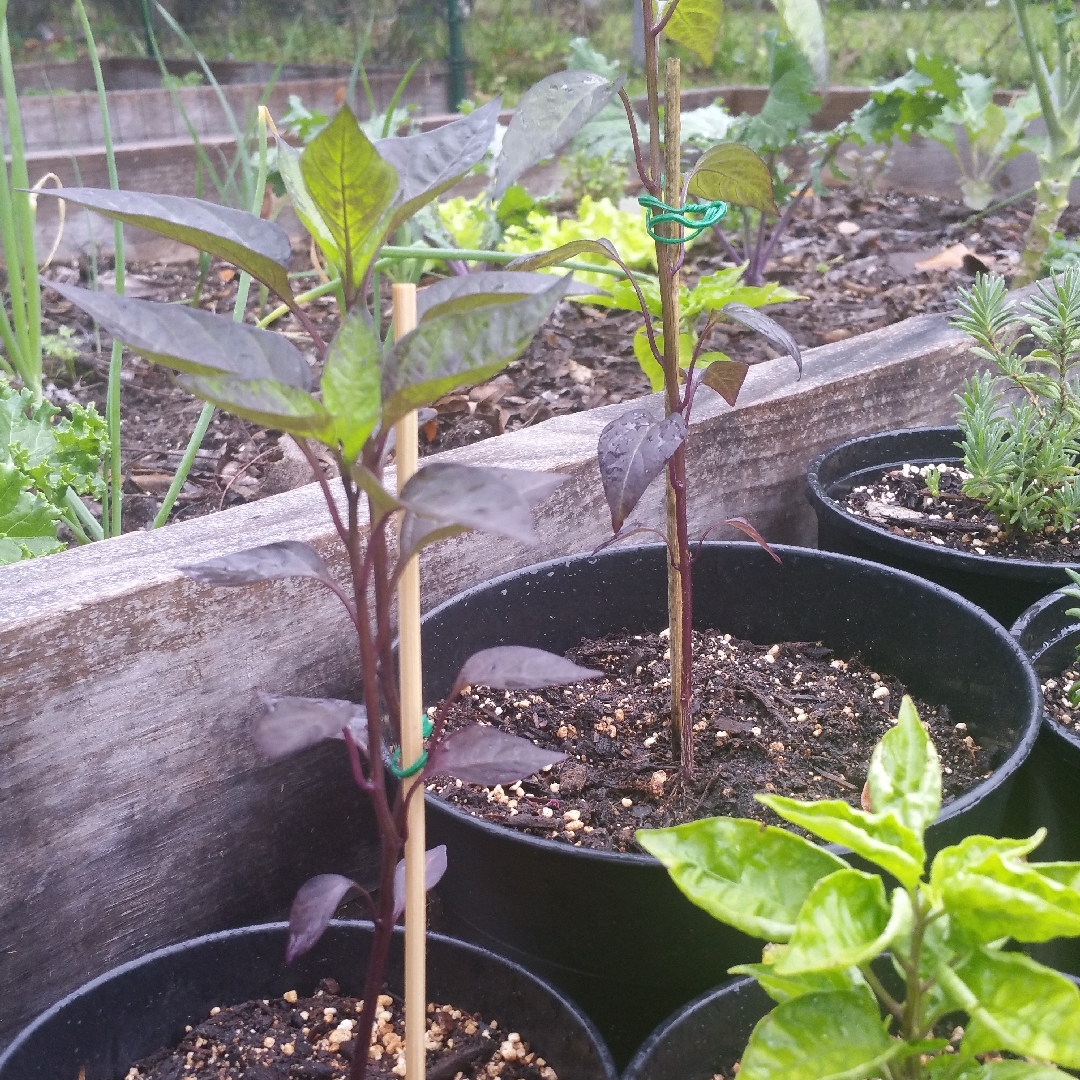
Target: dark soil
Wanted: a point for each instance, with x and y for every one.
(852, 255)
(789, 718)
(901, 503)
(1055, 694)
(309, 1039)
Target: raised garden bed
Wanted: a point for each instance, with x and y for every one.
(127, 698)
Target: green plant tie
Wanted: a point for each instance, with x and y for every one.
(419, 763)
(657, 213)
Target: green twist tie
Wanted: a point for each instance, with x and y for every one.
(419, 763)
(708, 213)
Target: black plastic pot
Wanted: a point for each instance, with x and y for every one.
(1050, 779)
(132, 1010)
(611, 929)
(708, 1034)
(1003, 587)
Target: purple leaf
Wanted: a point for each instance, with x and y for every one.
(768, 328)
(287, 558)
(488, 756)
(291, 723)
(726, 378)
(632, 452)
(484, 289)
(517, 667)
(312, 909)
(434, 868)
(472, 497)
(744, 526)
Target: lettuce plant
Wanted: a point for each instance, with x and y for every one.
(1023, 456)
(871, 978)
(351, 193)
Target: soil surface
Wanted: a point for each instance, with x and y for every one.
(291, 1038)
(901, 503)
(852, 255)
(1055, 694)
(790, 718)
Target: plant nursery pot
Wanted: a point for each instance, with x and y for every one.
(707, 1034)
(1003, 587)
(136, 1008)
(611, 929)
(1050, 779)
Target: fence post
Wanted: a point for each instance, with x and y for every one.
(455, 59)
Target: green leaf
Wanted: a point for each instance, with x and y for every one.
(351, 380)
(723, 375)
(1016, 1005)
(549, 115)
(845, 921)
(260, 247)
(271, 404)
(807, 29)
(432, 162)
(735, 174)
(27, 521)
(302, 203)
(1004, 1070)
(353, 189)
(643, 352)
(751, 876)
(972, 850)
(193, 341)
(460, 349)
(1006, 897)
(783, 988)
(881, 838)
(696, 26)
(1068, 873)
(829, 1036)
(905, 773)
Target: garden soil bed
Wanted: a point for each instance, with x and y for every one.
(901, 503)
(288, 1038)
(789, 718)
(852, 255)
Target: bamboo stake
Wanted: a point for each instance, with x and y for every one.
(412, 739)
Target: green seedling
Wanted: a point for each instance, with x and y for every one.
(872, 973)
(1022, 455)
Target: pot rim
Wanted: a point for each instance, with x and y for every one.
(734, 986)
(873, 535)
(1002, 773)
(1035, 651)
(599, 1044)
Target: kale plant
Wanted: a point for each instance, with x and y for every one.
(351, 194)
(872, 982)
(1022, 454)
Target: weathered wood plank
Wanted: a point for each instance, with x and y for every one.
(133, 810)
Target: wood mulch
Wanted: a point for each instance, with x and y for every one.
(853, 256)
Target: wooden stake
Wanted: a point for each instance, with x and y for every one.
(412, 739)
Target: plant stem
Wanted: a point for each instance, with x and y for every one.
(1051, 199)
(679, 574)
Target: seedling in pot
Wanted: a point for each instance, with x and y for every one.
(1023, 456)
(637, 447)
(864, 977)
(351, 194)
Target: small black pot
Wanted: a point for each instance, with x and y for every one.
(611, 929)
(1003, 587)
(1050, 779)
(708, 1034)
(132, 1010)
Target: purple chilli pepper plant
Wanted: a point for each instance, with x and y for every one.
(636, 448)
(351, 194)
